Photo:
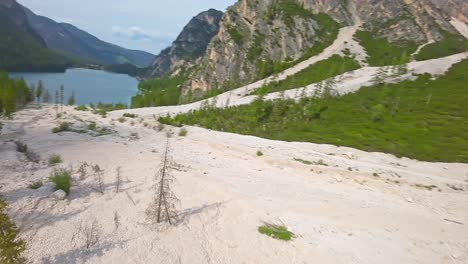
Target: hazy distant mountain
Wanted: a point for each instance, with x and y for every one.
(69, 39)
(21, 48)
(189, 45)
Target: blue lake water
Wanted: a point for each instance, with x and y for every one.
(89, 86)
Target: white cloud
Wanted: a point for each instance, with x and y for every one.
(138, 33)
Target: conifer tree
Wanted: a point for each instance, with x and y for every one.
(56, 102)
(39, 91)
(71, 100)
(46, 96)
(62, 95)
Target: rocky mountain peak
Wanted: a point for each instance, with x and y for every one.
(189, 45)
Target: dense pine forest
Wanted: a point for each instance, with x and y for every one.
(14, 94)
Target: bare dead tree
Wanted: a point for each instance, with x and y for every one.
(88, 234)
(116, 220)
(118, 180)
(83, 171)
(98, 176)
(163, 206)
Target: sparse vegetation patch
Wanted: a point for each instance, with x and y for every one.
(11, 247)
(54, 159)
(279, 232)
(62, 180)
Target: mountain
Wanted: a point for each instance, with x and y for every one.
(71, 40)
(190, 45)
(260, 38)
(21, 48)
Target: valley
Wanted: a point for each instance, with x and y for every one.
(277, 131)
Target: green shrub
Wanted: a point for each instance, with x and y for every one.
(122, 119)
(62, 179)
(21, 147)
(259, 153)
(235, 34)
(183, 132)
(276, 231)
(130, 115)
(54, 159)
(11, 248)
(35, 185)
(81, 108)
(63, 127)
(92, 126)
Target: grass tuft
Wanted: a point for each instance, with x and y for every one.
(276, 231)
(63, 127)
(55, 159)
(183, 132)
(62, 180)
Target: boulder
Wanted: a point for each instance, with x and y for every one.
(59, 195)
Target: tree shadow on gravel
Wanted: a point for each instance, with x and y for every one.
(185, 215)
(82, 255)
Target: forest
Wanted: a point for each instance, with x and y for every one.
(14, 94)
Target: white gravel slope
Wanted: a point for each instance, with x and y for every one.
(359, 208)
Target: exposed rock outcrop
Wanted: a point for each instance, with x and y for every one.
(190, 45)
(255, 34)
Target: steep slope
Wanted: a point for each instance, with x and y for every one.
(21, 49)
(258, 38)
(189, 45)
(71, 40)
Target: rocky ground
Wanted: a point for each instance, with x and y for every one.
(344, 205)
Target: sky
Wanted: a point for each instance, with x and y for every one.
(149, 25)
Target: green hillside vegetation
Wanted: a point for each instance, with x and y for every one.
(159, 92)
(381, 52)
(317, 72)
(423, 119)
(20, 52)
(11, 247)
(449, 45)
(13, 94)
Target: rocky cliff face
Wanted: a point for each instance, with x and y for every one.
(190, 45)
(455, 8)
(257, 34)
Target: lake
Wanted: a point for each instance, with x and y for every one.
(89, 86)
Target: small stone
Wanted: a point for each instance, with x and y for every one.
(59, 195)
(410, 200)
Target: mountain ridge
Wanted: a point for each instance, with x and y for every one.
(70, 39)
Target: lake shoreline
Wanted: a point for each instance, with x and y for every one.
(87, 85)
